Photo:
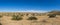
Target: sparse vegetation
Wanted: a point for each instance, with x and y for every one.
(16, 17)
(33, 14)
(44, 21)
(27, 14)
(32, 18)
(0, 16)
(52, 15)
(22, 15)
(41, 19)
(0, 24)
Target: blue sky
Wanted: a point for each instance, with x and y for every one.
(22, 5)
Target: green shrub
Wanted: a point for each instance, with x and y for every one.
(32, 18)
(52, 15)
(16, 17)
(44, 21)
(22, 15)
(0, 24)
(27, 14)
(0, 16)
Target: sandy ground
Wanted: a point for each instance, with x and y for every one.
(5, 20)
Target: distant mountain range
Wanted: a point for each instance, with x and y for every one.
(31, 11)
(55, 12)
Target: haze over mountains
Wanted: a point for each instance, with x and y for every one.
(33, 11)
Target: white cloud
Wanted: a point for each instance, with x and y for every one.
(34, 11)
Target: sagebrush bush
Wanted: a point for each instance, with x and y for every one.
(32, 18)
(44, 21)
(16, 17)
(0, 16)
(0, 24)
(52, 15)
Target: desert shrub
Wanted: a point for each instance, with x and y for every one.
(52, 15)
(44, 21)
(27, 14)
(22, 15)
(32, 18)
(33, 14)
(16, 17)
(0, 24)
(0, 16)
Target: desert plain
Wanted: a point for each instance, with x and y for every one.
(42, 19)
